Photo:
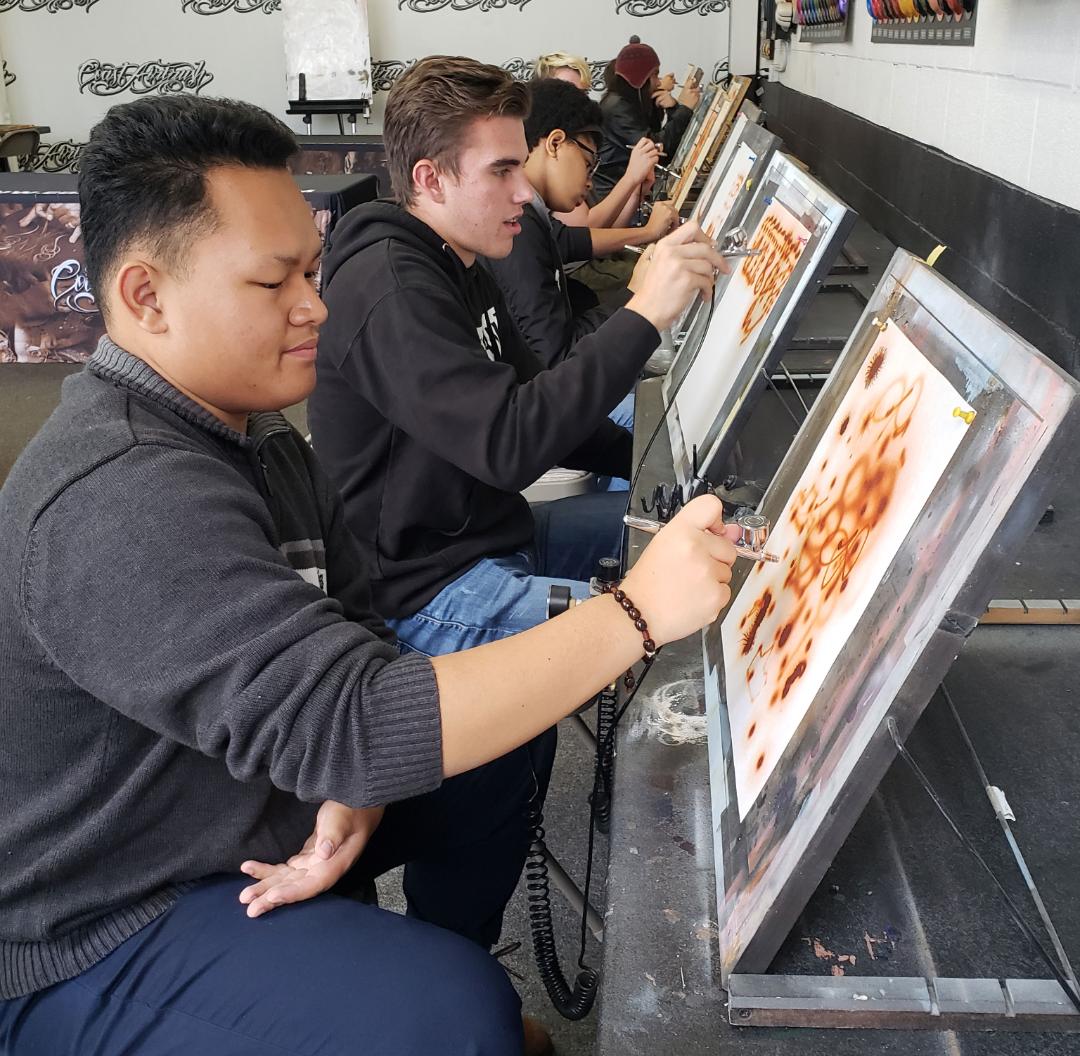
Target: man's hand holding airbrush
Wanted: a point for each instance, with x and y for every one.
(680, 582)
(498, 696)
(683, 264)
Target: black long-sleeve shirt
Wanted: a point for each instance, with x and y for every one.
(534, 282)
(431, 413)
(623, 127)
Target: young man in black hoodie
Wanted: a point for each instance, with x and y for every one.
(431, 413)
(190, 664)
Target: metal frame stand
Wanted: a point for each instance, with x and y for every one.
(920, 1003)
(900, 1004)
(912, 1003)
(340, 108)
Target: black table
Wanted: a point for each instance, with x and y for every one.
(47, 310)
(901, 888)
(343, 154)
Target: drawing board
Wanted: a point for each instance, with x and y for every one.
(924, 464)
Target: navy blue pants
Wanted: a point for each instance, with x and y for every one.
(328, 977)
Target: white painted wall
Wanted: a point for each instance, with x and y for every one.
(594, 29)
(743, 46)
(45, 43)
(1009, 105)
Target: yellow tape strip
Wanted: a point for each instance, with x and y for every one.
(933, 258)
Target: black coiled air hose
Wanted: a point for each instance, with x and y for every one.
(570, 1004)
(605, 750)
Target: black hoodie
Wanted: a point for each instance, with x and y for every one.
(431, 414)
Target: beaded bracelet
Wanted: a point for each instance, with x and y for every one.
(639, 622)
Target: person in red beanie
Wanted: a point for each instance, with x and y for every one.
(639, 103)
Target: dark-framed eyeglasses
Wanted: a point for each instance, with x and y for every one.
(592, 157)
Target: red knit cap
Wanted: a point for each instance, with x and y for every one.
(636, 63)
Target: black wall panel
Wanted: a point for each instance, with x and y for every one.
(1013, 252)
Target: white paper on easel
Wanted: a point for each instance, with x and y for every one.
(328, 42)
(713, 210)
(737, 319)
(877, 463)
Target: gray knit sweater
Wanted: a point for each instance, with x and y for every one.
(188, 664)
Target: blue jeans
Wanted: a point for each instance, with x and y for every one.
(328, 977)
(622, 415)
(500, 596)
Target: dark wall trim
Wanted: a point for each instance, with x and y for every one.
(1013, 252)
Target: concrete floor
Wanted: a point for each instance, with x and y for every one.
(566, 825)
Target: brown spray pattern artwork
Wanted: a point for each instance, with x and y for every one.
(885, 449)
(737, 318)
(712, 211)
(767, 274)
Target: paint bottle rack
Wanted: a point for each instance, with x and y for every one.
(822, 21)
(909, 22)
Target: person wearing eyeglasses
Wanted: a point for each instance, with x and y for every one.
(431, 413)
(621, 203)
(562, 132)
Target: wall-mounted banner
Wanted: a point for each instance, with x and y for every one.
(142, 78)
(520, 69)
(52, 6)
(54, 157)
(87, 71)
(240, 7)
(646, 8)
(47, 311)
(424, 7)
(384, 72)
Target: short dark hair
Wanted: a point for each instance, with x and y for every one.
(559, 105)
(142, 176)
(430, 106)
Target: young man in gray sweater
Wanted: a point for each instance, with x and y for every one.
(193, 682)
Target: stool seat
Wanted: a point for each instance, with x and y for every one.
(560, 483)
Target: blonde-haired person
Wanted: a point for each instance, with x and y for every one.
(619, 206)
(564, 67)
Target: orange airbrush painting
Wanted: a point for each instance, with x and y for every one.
(884, 451)
(737, 318)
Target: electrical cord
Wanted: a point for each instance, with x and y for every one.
(571, 1002)
(604, 745)
(605, 716)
